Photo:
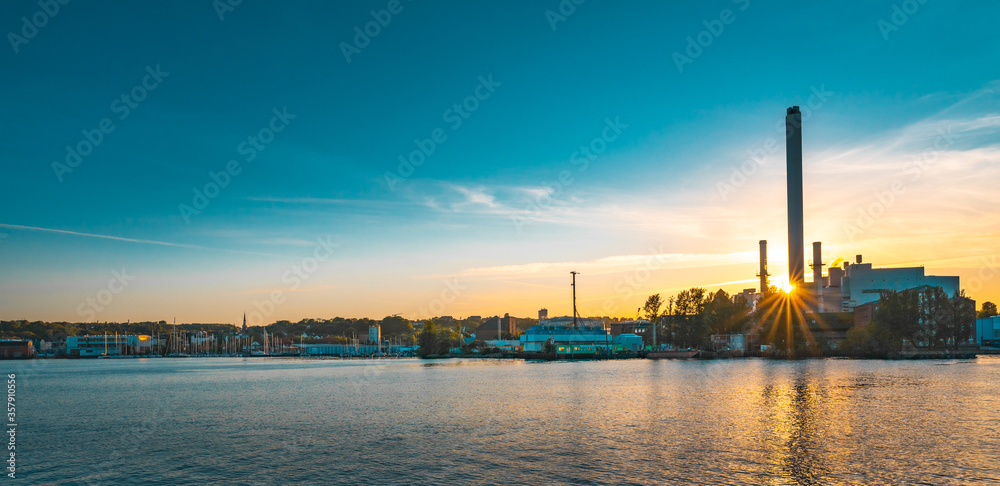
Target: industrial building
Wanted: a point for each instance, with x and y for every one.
(108, 345)
(16, 349)
(588, 336)
(636, 326)
(988, 331)
(843, 289)
(337, 349)
(497, 327)
(505, 344)
(750, 296)
(557, 332)
(846, 296)
(735, 344)
(856, 284)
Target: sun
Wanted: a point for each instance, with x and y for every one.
(784, 286)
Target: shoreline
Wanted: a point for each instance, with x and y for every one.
(701, 356)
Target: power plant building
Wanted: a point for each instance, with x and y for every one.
(844, 288)
(858, 283)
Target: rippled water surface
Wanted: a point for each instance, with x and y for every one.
(272, 421)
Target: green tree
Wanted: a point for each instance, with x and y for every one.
(395, 326)
(688, 318)
(962, 318)
(858, 342)
(900, 316)
(935, 322)
(652, 311)
(435, 339)
(669, 322)
(944, 320)
(723, 315)
(549, 347)
(428, 340)
(448, 338)
(989, 309)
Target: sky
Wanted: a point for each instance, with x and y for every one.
(195, 160)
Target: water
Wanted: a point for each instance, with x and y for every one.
(273, 421)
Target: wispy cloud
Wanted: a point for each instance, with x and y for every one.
(476, 195)
(303, 289)
(949, 201)
(609, 264)
(374, 203)
(129, 240)
(286, 242)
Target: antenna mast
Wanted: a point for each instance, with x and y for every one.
(574, 273)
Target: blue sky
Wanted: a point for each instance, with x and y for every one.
(482, 209)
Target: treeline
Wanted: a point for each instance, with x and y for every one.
(688, 319)
(335, 330)
(927, 319)
(340, 330)
(436, 340)
(58, 331)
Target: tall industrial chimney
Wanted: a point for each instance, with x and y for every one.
(818, 264)
(793, 167)
(763, 266)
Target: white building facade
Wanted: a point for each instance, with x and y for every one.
(857, 284)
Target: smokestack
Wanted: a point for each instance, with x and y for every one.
(763, 266)
(818, 264)
(793, 167)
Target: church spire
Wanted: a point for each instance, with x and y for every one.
(244, 323)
